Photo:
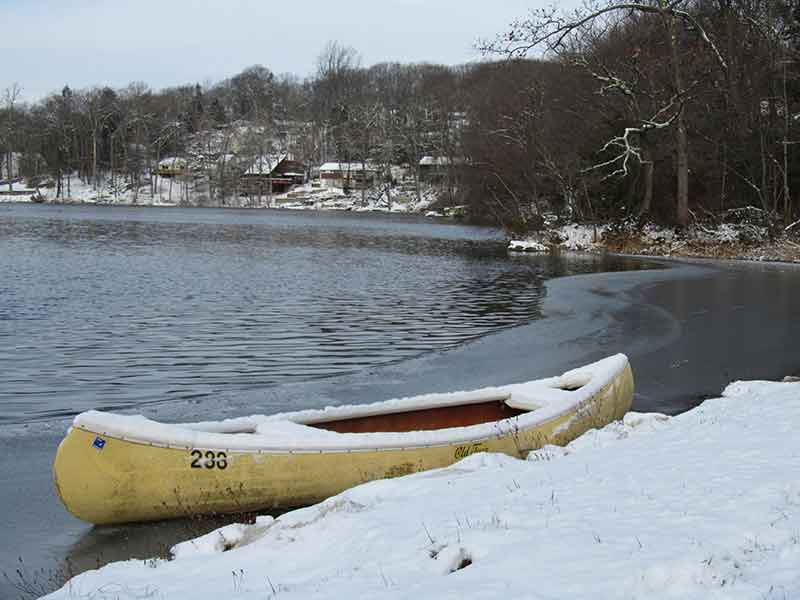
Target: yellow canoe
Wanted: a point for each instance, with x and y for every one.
(117, 468)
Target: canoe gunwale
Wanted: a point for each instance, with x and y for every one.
(352, 450)
(534, 419)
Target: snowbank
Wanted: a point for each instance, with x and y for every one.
(81, 192)
(702, 505)
(726, 240)
(394, 199)
(526, 246)
(174, 191)
(575, 237)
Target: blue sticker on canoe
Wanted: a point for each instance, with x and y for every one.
(99, 443)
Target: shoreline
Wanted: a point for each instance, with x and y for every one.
(677, 467)
(584, 317)
(653, 243)
(726, 242)
(307, 197)
(685, 507)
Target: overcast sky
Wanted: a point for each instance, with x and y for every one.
(49, 43)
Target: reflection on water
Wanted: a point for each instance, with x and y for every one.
(117, 308)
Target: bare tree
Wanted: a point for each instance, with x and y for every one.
(334, 98)
(553, 30)
(9, 129)
(93, 103)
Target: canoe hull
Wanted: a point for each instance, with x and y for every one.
(102, 479)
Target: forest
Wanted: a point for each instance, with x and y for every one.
(671, 111)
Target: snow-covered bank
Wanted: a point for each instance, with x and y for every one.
(176, 192)
(702, 505)
(387, 199)
(726, 241)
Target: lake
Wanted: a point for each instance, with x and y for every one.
(119, 308)
(189, 314)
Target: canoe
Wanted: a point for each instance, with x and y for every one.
(113, 468)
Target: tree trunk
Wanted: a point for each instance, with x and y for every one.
(111, 158)
(648, 168)
(94, 159)
(223, 160)
(363, 182)
(682, 150)
(764, 179)
(724, 182)
(155, 187)
(787, 198)
(417, 183)
(681, 136)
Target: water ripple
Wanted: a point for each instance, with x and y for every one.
(122, 308)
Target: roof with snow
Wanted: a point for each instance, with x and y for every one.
(265, 164)
(173, 162)
(340, 166)
(430, 161)
(440, 161)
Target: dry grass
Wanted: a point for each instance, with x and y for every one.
(783, 250)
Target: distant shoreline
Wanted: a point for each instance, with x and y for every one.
(743, 241)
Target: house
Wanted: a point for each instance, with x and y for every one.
(271, 174)
(347, 175)
(172, 166)
(435, 169)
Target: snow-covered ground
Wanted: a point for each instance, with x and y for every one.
(18, 186)
(726, 240)
(576, 237)
(527, 246)
(80, 192)
(174, 192)
(391, 199)
(702, 505)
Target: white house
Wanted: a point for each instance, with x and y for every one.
(347, 175)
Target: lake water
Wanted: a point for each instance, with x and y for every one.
(117, 308)
(187, 314)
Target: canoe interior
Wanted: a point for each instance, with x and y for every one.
(426, 419)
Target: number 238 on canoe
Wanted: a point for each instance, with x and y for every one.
(209, 459)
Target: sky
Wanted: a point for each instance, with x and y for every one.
(47, 44)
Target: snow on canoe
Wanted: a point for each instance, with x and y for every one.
(118, 468)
